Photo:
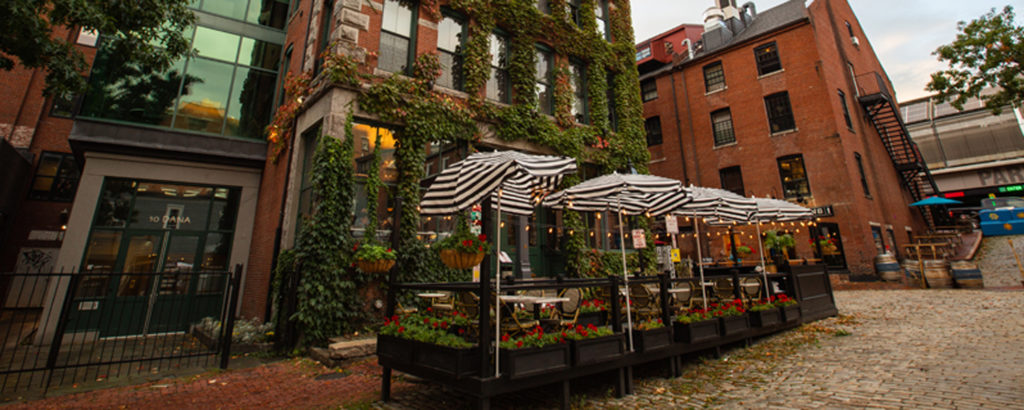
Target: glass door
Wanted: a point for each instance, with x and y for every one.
(830, 245)
(126, 311)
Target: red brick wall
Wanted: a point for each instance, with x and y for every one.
(25, 106)
(813, 71)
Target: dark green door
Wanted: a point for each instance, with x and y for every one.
(127, 306)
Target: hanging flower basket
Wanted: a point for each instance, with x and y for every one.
(460, 260)
(375, 266)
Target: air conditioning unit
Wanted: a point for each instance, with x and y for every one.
(855, 41)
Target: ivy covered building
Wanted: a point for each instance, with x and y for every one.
(432, 81)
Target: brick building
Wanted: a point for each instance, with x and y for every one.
(172, 171)
(791, 103)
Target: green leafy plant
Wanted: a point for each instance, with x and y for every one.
(779, 242)
(532, 338)
(781, 300)
(743, 250)
(580, 332)
(732, 308)
(694, 315)
(592, 306)
(462, 240)
(372, 252)
(761, 305)
(245, 331)
(422, 328)
(649, 324)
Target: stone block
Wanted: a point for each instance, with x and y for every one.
(355, 19)
(352, 4)
(352, 349)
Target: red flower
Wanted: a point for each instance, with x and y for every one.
(426, 320)
(482, 237)
(434, 325)
(462, 330)
(480, 248)
(356, 246)
(504, 338)
(430, 309)
(401, 329)
(591, 326)
(394, 318)
(444, 325)
(467, 243)
(389, 250)
(519, 343)
(579, 328)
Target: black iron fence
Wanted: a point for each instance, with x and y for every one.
(58, 329)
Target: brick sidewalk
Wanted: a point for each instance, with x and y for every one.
(893, 348)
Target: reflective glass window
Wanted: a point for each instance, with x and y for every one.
(545, 88)
(227, 8)
(216, 44)
(202, 107)
(450, 34)
(56, 177)
(395, 37)
(498, 84)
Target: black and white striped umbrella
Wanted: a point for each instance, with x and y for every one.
(524, 180)
(769, 210)
(717, 203)
(632, 194)
(623, 194)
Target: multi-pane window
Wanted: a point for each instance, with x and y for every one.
(601, 11)
(767, 57)
(732, 180)
(572, 12)
(310, 139)
(721, 126)
(648, 90)
(396, 36)
(579, 92)
(325, 34)
(499, 86)
(545, 83)
(450, 34)
(56, 178)
(846, 110)
(863, 176)
(270, 13)
(613, 119)
(780, 113)
(653, 127)
(228, 88)
(543, 6)
(714, 77)
(794, 177)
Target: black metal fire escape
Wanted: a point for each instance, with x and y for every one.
(906, 157)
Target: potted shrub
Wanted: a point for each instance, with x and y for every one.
(742, 251)
(373, 258)
(592, 344)
(425, 342)
(696, 326)
(732, 316)
(764, 313)
(777, 244)
(790, 309)
(462, 249)
(651, 334)
(592, 312)
(533, 353)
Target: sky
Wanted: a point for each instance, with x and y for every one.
(904, 33)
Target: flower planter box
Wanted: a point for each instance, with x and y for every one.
(597, 350)
(764, 318)
(375, 266)
(454, 362)
(395, 348)
(519, 363)
(654, 339)
(790, 313)
(696, 332)
(592, 318)
(733, 325)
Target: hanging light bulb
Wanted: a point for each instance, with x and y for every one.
(797, 231)
(687, 219)
(570, 232)
(527, 227)
(591, 234)
(502, 224)
(598, 216)
(551, 230)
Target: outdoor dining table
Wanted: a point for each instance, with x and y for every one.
(536, 301)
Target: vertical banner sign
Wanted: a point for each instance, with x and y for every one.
(476, 227)
(671, 226)
(676, 257)
(639, 239)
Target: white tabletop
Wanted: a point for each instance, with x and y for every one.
(678, 290)
(551, 300)
(431, 295)
(519, 298)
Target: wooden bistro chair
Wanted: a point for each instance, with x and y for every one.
(751, 288)
(644, 302)
(444, 304)
(570, 310)
(682, 299)
(724, 290)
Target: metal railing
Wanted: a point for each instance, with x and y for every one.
(58, 329)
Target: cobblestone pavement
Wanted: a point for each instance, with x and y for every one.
(889, 348)
(995, 258)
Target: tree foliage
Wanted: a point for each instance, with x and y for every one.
(150, 33)
(988, 52)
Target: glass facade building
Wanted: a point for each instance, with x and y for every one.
(226, 89)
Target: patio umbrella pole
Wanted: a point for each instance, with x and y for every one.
(625, 275)
(760, 247)
(700, 262)
(497, 292)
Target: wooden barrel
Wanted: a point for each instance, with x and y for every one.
(936, 273)
(912, 270)
(966, 274)
(888, 267)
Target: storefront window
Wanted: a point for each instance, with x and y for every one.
(145, 226)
